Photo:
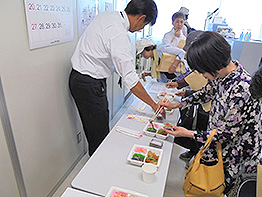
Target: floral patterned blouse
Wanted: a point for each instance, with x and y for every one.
(237, 117)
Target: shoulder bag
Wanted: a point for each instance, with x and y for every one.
(205, 178)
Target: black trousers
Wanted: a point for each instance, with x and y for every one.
(91, 101)
(188, 143)
(187, 122)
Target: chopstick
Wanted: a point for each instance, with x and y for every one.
(157, 111)
(169, 81)
(156, 114)
(128, 132)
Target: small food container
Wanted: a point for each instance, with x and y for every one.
(168, 126)
(157, 131)
(116, 192)
(150, 130)
(140, 155)
(161, 134)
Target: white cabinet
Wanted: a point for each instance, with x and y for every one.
(249, 54)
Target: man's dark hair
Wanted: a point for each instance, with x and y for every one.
(143, 7)
(210, 52)
(178, 15)
(255, 87)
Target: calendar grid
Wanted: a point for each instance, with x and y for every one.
(49, 22)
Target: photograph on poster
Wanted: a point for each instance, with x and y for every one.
(88, 9)
(109, 6)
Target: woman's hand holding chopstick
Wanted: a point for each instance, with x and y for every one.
(168, 104)
(171, 84)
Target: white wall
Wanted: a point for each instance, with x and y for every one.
(243, 15)
(43, 117)
(197, 14)
(238, 14)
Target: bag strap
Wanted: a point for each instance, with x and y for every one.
(219, 151)
(208, 142)
(200, 154)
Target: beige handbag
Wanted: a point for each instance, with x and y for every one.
(205, 178)
(196, 81)
(167, 60)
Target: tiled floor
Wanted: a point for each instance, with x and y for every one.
(71, 176)
(176, 174)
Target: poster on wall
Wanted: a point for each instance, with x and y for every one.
(49, 22)
(109, 6)
(88, 9)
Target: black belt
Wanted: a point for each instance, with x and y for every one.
(86, 75)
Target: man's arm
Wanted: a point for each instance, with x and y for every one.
(141, 93)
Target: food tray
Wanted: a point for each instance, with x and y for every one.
(115, 192)
(140, 151)
(157, 133)
(169, 95)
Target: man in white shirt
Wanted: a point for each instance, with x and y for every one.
(103, 48)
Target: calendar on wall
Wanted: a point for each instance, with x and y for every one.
(49, 22)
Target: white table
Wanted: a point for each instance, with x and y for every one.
(70, 192)
(109, 166)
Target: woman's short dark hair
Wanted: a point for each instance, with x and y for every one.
(210, 52)
(178, 15)
(143, 7)
(255, 87)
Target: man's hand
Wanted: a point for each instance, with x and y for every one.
(162, 111)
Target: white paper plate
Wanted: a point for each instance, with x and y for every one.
(128, 192)
(145, 149)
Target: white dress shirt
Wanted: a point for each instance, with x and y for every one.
(169, 44)
(104, 47)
